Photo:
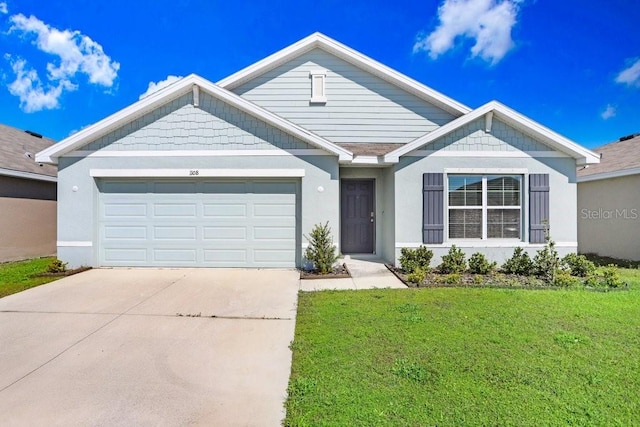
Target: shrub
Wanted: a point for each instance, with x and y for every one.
(520, 263)
(546, 263)
(321, 250)
(564, 279)
(579, 265)
(612, 277)
(478, 264)
(57, 266)
(417, 276)
(453, 279)
(412, 259)
(453, 262)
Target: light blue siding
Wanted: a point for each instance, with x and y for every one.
(360, 106)
(213, 125)
(474, 137)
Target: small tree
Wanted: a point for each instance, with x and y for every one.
(546, 263)
(321, 250)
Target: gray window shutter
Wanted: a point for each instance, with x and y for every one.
(432, 208)
(538, 206)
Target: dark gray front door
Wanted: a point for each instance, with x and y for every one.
(357, 216)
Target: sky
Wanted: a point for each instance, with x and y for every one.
(571, 65)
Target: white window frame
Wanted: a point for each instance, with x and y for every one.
(322, 76)
(484, 207)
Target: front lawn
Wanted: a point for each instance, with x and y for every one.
(466, 356)
(16, 276)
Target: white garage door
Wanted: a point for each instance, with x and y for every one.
(197, 223)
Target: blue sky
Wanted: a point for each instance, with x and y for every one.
(572, 65)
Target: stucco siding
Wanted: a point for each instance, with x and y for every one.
(27, 228)
(213, 125)
(27, 188)
(609, 217)
(77, 210)
(360, 107)
(562, 197)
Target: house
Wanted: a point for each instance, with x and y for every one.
(609, 201)
(236, 173)
(27, 197)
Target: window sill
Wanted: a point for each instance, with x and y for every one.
(318, 101)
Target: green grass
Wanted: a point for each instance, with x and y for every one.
(466, 356)
(15, 276)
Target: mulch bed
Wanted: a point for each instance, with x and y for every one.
(495, 280)
(340, 272)
(63, 273)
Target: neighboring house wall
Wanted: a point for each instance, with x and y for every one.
(562, 195)
(360, 107)
(609, 217)
(27, 218)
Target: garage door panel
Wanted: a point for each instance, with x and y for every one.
(211, 223)
(174, 233)
(125, 256)
(175, 210)
(125, 210)
(170, 255)
(225, 233)
(125, 232)
(271, 256)
(226, 257)
(274, 233)
(225, 210)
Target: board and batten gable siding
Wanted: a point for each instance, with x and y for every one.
(213, 125)
(360, 107)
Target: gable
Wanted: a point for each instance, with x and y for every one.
(474, 137)
(360, 107)
(213, 125)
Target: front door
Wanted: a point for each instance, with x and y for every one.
(357, 216)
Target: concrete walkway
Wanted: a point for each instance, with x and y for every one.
(366, 273)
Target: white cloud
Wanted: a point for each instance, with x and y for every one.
(3, 8)
(75, 54)
(154, 87)
(488, 22)
(28, 87)
(608, 112)
(630, 75)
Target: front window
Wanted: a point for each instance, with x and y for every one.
(484, 206)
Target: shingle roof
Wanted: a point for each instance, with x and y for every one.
(615, 157)
(369, 149)
(16, 146)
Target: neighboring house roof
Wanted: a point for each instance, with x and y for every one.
(320, 41)
(171, 92)
(17, 155)
(619, 158)
(510, 117)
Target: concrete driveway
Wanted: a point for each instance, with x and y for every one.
(149, 347)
